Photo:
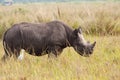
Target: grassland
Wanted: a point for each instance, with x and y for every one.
(94, 18)
(104, 64)
(100, 22)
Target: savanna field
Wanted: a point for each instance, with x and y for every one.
(100, 22)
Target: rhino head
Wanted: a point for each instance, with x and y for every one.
(81, 46)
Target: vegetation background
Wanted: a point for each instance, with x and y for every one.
(99, 20)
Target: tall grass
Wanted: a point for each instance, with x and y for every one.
(103, 64)
(94, 18)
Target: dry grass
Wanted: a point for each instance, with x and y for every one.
(104, 64)
(95, 18)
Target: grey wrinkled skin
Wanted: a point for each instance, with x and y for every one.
(44, 38)
(83, 47)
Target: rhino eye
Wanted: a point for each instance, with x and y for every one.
(91, 49)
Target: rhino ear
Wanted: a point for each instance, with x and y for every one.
(76, 31)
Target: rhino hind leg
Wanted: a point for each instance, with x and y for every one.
(16, 53)
(6, 55)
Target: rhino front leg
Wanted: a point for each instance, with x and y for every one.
(55, 52)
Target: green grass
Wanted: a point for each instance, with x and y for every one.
(104, 64)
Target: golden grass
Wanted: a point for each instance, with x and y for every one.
(95, 18)
(104, 64)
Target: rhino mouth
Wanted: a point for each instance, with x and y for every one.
(82, 52)
(85, 55)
